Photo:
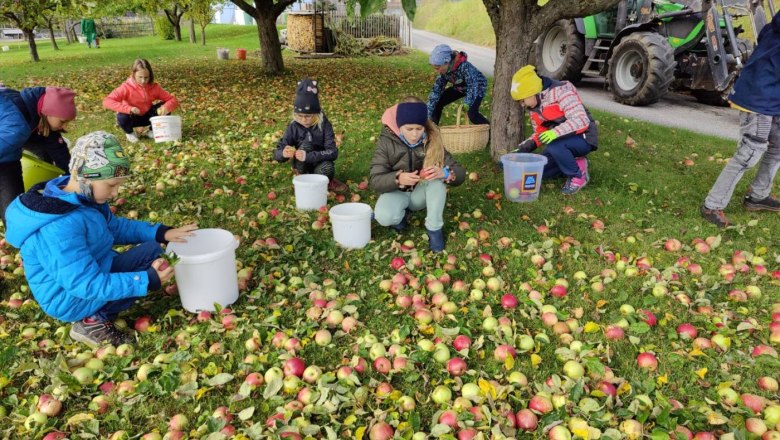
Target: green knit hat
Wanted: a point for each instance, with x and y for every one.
(98, 156)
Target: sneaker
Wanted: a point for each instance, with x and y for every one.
(574, 184)
(436, 240)
(337, 186)
(582, 164)
(150, 134)
(93, 333)
(714, 216)
(769, 203)
(131, 137)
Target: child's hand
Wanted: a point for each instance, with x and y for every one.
(409, 179)
(163, 269)
(288, 152)
(432, 173)
(178, 235)
(300, 155)
(135, 111)
(162, 111)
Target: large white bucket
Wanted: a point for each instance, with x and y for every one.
(206, 271)
(311, 191)
(351, 224)
(166, 128)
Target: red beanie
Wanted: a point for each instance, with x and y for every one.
(58, 102)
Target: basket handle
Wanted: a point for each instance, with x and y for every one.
(457, 119)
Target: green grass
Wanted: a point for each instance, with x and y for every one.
(465, 20)
(232, 115)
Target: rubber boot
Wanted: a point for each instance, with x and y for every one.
(436, 240)
(400, 226)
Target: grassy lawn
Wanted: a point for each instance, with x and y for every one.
(606, 243)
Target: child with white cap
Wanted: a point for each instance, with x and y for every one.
(66, 233)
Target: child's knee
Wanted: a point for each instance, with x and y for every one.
(388, 216)
(151, 250)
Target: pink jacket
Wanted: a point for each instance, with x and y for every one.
(131, 94)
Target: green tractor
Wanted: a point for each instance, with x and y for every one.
(645, 47)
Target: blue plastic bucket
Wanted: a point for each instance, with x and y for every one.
(523, 176)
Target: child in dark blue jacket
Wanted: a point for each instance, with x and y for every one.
(309, 140)
(31, 119)
(66, 234)
(467, 81)
(756, 95)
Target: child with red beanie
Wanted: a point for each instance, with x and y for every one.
(32, 119)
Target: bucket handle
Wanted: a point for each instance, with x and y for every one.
(457, 118)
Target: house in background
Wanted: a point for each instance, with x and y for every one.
(229, 13)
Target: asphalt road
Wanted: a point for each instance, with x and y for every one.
(674, 110)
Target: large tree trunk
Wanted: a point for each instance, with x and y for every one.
(29, 35)
(203, 34)
(192, 31)
(270, 48)
(51, 34)
(517, 23)
(177, 30)
(65, 25)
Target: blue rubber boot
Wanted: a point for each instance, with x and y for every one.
(436, 240)
(399, 227)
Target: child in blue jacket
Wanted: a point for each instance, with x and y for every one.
(32, 119)
(66, 233)
(309, 141)
(756, 95)
(467, 81)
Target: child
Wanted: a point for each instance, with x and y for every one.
(138, 99)
(757, 95)
(309, 140)
(32, 119)
(66, 233)
(411, 169)
(466, 81)
(560, 121)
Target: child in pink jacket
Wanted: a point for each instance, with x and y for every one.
(137, 100)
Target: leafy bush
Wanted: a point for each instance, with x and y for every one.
(163, 28)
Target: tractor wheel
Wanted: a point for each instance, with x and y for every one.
(641, 69)
(560, 52)
(710, 97)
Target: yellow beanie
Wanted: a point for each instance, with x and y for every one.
(525, 83)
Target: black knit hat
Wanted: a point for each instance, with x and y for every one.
(306, 97)
(411, 113)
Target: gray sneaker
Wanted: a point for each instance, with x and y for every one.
(770, 203)
(94, 333)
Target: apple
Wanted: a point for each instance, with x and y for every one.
(508, 301)
(540, 403)
(647, 361)
(382, 365)
(722, 342)
(441, 394)
(49, 405)
(461, 342)
(559, 432)
(526, 420)
(573, 370)
(753, 402)
(35, 421)
(55, 435)
(672, 245)
(457, 366)
(755, 426)
(728, 396)
(767, 383)
(323, 337)
(178, 422)
(381, 431)
(614, 333)
(142, 323)
(631, 428)
(504, 351)
(397, 263)
(406, 403)
(558, 291)
(607, 388)
(293, 367)
(83, 375)
(687, 331)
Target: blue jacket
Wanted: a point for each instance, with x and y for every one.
(464, 77)
(66, 244)
(758, 87)
(19, 119)
(320, 136)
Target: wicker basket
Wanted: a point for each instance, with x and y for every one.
(464, 138)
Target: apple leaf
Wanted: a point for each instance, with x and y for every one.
(272, 388)
(220, 379)
(246, 413)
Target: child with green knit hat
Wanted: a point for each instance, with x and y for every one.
(66, 233)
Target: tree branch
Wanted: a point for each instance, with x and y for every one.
(280, 6)
(246, 7)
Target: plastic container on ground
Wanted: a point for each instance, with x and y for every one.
(166, 128)
(206, 271)
(223, 53)
(241, 54)
(523, 176)
(35, 171)
(82, 39)
(6, 48)
(311, 191)
(351, 224)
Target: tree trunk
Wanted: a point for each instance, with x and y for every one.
(29, 35)
(270, 48)
(514, 43)
(203, 34)
(65, 26)
(193, 40)
(51, 34)
(177, 30)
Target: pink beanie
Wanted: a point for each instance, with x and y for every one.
(58, 102)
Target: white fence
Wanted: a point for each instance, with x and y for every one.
(393, 26)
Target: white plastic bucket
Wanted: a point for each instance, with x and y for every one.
(166, 128)
(223, 53)
(311, 191)
(351, 224)
(206, 271)
(6, 48)
(523, 176)
(82, 39)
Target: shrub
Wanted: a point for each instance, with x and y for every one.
(163, 27)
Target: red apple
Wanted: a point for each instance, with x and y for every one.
(294, 367)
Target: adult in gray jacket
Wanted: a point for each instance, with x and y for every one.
(411, 170)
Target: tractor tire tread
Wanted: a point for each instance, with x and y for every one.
(660, 71)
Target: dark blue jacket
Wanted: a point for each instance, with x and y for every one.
(465, 78)
(320, 136)
(67, 246)
(758, 87)
(19, 119)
